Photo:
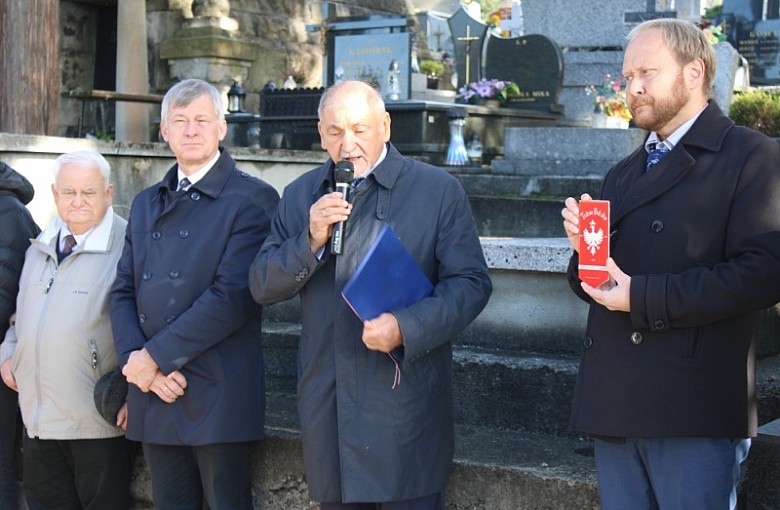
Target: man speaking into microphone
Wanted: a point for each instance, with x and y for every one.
(367, 441)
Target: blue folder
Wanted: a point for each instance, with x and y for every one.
(387, 279)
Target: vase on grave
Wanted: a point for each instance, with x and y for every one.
(616, 123)
(601, 120)
(456, 152)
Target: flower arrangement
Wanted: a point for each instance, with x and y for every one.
(713, 33)
(478, 92)
(610, 97)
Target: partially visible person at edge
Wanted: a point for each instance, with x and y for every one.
(60, 345)
(367, 441)
(666, 381)
(16, 229)
(186, 328)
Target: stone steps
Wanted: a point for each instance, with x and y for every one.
(492, 388)
(516, 186)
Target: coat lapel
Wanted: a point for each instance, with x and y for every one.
(638, 187)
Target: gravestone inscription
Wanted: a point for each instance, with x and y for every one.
(535, 63)
(753, 28)
(368, 58)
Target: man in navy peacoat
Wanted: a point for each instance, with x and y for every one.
(666, 380)
(186, 328)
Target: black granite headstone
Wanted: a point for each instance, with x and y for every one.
(468, 35)
(535, 63)
(756, 38)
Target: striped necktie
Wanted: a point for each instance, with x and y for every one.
(183, 184)
(68, 243)
(354, 183)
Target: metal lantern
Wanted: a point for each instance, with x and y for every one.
(236, 97)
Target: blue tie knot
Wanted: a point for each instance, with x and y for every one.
(656, 155)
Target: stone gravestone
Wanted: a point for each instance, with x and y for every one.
(755, 37)
(592, 34)
(468, 35)
(368, 57)
(534, 62)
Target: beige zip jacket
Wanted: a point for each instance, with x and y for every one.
(61, 340)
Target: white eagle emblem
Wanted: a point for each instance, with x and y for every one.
(593, 238)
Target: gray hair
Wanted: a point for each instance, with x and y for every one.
(372, 95)
(187, 91)
(686, 41)
(89, 159)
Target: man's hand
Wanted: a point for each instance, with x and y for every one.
(326, 211)
(121, 417)
(383, 333)
(8, 375)
(615, 294)
(140, 369)
(571, 220)
(169, 387)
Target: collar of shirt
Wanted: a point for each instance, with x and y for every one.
(674, 138)
(200, 174)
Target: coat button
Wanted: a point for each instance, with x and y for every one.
(636, 338)
(173, 274)
(170, 318)
(657, 226)
(142, 318)
(588, 342)
(195, 196)
(184, 233)
(156, 235)
(659, 324)
(147, 276)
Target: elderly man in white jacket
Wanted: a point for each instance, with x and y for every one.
(61, 344)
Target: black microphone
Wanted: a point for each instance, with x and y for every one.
(344, 173)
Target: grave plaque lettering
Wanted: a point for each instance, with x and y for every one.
(368, 57)
(754, 30)
(535, 63)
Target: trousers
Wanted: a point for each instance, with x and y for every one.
(669, 473)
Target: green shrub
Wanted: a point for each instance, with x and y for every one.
(431, 68)
(759, 110)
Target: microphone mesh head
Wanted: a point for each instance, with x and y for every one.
(344, 172)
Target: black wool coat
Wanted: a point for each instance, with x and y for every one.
(699, 234)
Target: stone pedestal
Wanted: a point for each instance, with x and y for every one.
(544, 151)
(209, 49)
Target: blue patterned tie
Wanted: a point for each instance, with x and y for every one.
(656, 155)
(354, 183)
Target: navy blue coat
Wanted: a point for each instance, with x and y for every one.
(362, 439)
(699, 234)
(182, 292)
